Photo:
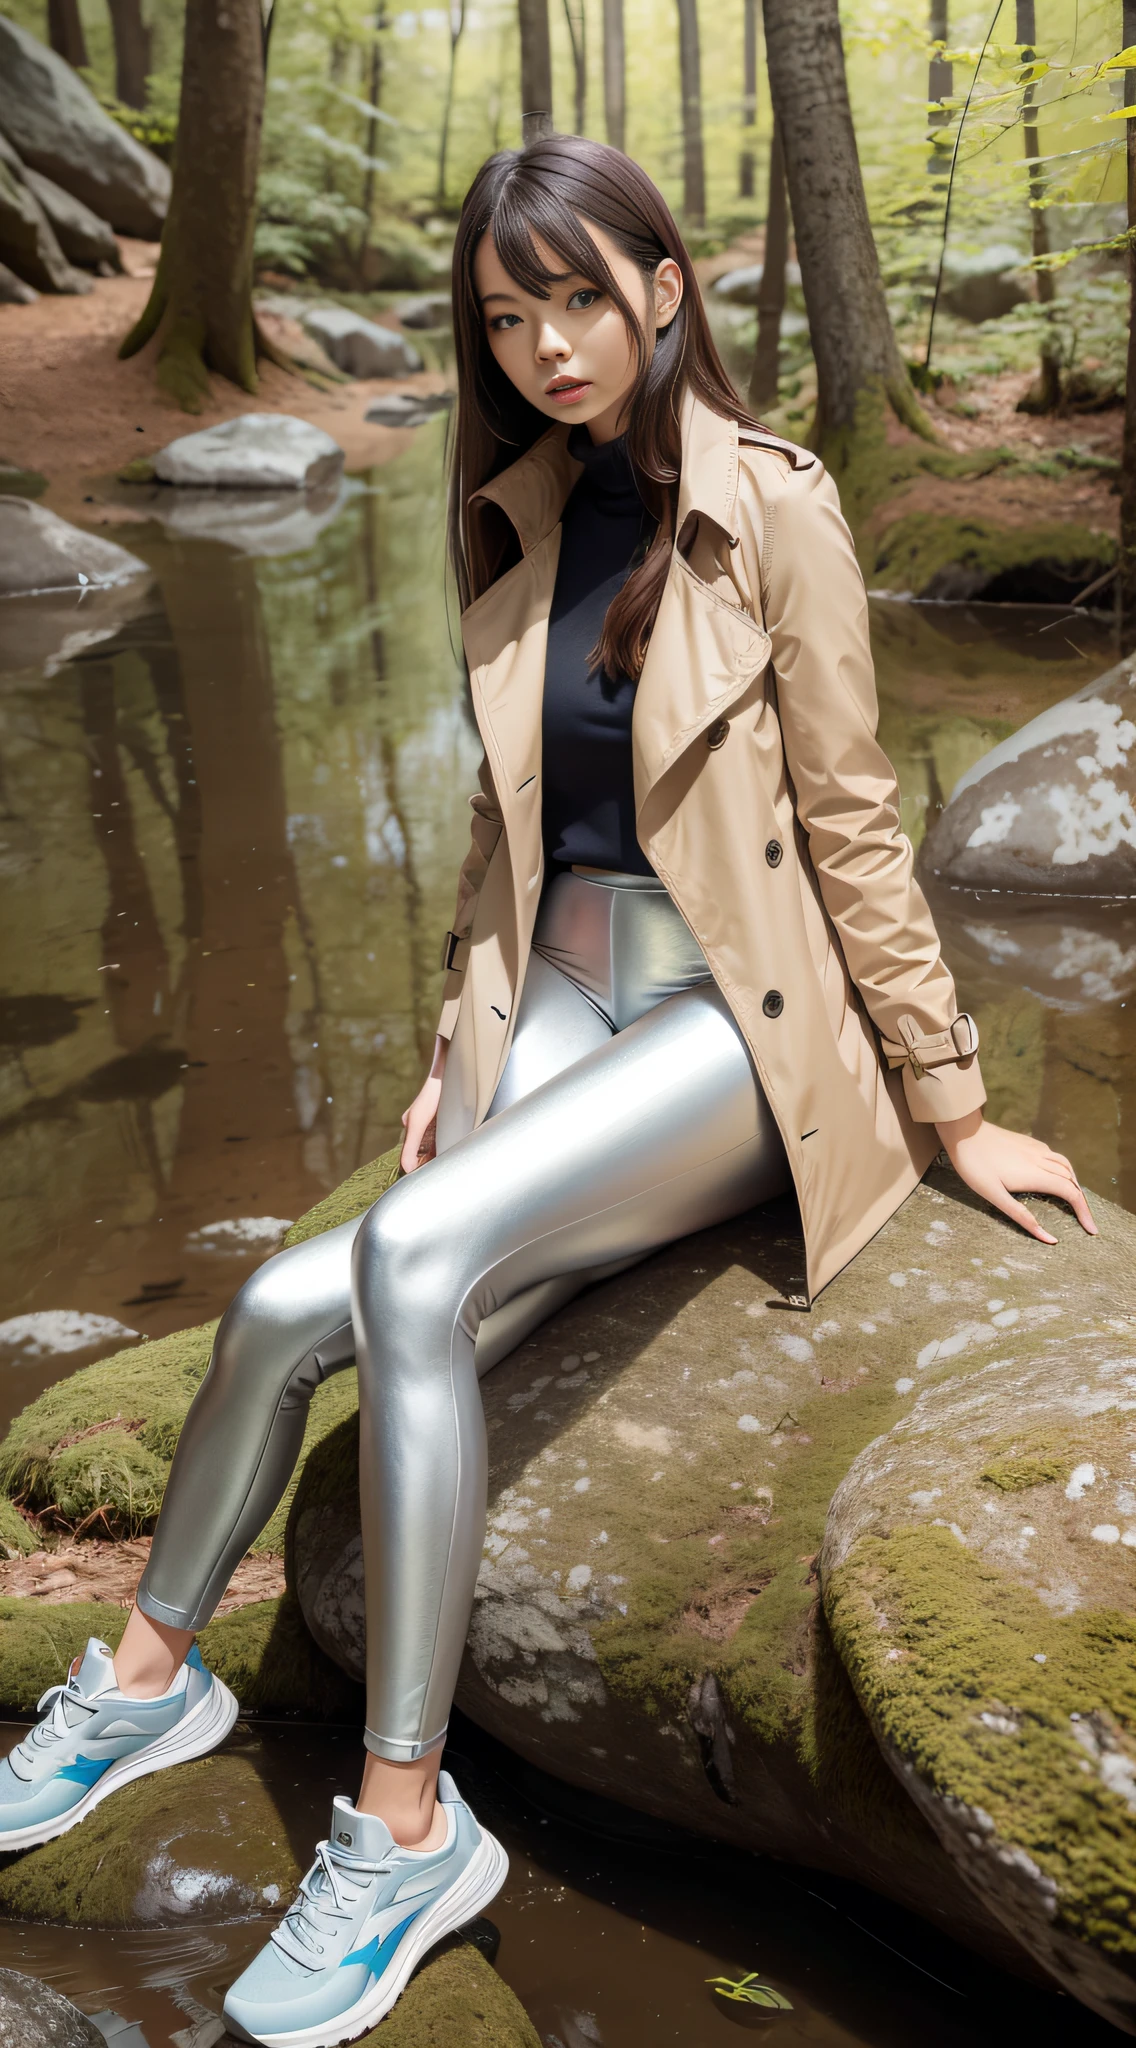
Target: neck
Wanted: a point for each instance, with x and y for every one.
(607, 426)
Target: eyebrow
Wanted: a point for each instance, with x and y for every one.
(511, 296)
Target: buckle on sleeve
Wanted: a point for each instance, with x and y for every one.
(964, 1035)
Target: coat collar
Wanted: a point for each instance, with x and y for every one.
(533, 491)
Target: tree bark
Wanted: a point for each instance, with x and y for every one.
(457, 28)
(749, 98)
(690, 71)
(536, 69)
(771, 291)
(577, 35)
(859, 366)
(1045, 395)
(373, 79)
(65, 32)
(1127, 576)
(940, 84)
(131, 51)
(200, 307)
(614, 74)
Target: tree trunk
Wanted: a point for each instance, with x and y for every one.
(577, 35)
(749, 97)
(457, 27)
(131, 51)
(373, 79)
(536, 69)
(1045, 394)
(771, 291)
(690, 70)
(859, 367)
(65, 32)
(1127, 577)
(200, 307)
(614, 74)
(940, 84)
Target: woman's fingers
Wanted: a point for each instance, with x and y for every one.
(1001, 1198)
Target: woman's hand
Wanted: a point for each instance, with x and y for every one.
(420, 1119)
(999, 1164)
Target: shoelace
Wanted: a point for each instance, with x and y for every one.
(314, 1913)
(55, 1726)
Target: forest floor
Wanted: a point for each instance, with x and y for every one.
(71, 410)
(95, 1568)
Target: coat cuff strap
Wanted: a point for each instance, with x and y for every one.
(921, 1050)
(455, 954)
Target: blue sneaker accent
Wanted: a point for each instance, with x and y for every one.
(86, 1770)
(347, 1946)
(93, 1738)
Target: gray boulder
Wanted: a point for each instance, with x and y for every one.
(258, 451)
(741, 287)
(33, 2015)
(357, 345)
(982, 285)
(429, 309)
(1052, 810)
(42, 633)
(408, 408)
(81, 235)
(40, 551)
(28, 243)
(13, 290)
(59, 129)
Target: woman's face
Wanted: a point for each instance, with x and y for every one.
(570, 354)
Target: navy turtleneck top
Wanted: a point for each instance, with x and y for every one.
(588, 807)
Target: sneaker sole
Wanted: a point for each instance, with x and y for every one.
(480, 1882)
(195, 1735)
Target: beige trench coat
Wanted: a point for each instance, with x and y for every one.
(764, 803)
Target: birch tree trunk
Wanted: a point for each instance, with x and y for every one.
(614, 74)
(536, 69)
(200, 307)
(690, 71)
(860, 371)
(1127, 576)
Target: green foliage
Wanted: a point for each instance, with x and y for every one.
(749, 1990)
(300, 227)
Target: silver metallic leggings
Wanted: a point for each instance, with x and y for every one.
(628, 1115)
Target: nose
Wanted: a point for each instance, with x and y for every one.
(552, 346)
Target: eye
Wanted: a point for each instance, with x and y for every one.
(500, 323)
(585, 297)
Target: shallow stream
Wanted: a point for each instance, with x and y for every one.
(230, 821)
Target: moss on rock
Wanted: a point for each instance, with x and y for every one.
(456, 2000)
(16, 1538)
(351, 1198)
(936, 555)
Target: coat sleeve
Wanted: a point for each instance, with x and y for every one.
(485, 831)
(846, 793)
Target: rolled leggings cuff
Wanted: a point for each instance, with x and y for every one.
(172, 1617)
(397, 1752)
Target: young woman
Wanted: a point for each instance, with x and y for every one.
(689, 968)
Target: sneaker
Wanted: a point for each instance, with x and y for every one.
(366, 1913)
(93, 1738)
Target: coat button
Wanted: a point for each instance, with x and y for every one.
(773, 853)
(718, 733)
(773, 1003)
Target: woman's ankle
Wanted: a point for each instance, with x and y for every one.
(405, 1796)
(149, 1656)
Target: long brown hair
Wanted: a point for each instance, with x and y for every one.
(549, 189)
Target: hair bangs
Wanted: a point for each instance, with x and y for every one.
(528, 211)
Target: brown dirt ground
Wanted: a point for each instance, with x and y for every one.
(93, 1569)
(70, 409)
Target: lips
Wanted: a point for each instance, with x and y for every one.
(568, 391)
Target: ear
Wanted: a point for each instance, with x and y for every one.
(668, 291)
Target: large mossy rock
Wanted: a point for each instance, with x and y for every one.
(59, 128)
(1051, 811)
(652, 1621)
(941, 556)
(35, 2015)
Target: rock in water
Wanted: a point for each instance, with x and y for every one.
(39, 551)
(259, 451)
(649, 1621)
(408, 408)
(28, 241)
(429, 309)
(81, 235)
(59, 128)
(33, 2015)
(264, 523)
(1052, 810)
(358, 345)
